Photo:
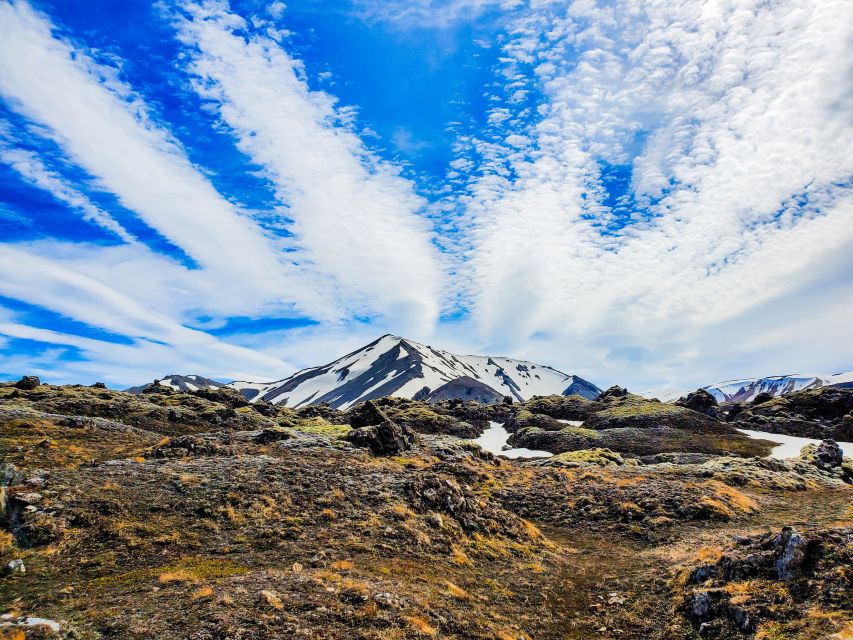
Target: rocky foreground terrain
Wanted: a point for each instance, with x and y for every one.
(198, 515)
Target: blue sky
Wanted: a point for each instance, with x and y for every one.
(656, 194)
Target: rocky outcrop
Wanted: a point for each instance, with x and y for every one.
(613, 392)
(827, 455)
(769, 577)
(28, 383)
(826, 412)
(700, 401)
(379, 434)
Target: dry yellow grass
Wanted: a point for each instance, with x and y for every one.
(459, 557)
(709, 554)
(421, 625)
(456, 591)
(202, 593)
(178, 575)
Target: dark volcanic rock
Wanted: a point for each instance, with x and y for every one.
(28, 383)
(382, 436)
(827, 455)
(156, 387)
(223, 395)
(701, 401)
(613, 392)
(762, 397)
(770, 577)
(812, 413)
(386, 439)
(792, 555)
(366, 414)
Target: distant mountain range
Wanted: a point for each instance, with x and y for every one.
(745, 389)
(395, 366)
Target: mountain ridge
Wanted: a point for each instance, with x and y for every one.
(392, 365)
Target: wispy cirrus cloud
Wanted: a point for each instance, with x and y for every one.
(107, 130)
(354, 218)
(32, 169)
(350, 244)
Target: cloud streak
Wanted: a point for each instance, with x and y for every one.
(355, 219)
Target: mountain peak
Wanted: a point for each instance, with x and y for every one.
(394, 365)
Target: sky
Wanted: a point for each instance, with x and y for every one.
(655, 193)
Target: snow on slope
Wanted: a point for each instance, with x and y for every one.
(182, 383)
(395, 366)
(745, 389)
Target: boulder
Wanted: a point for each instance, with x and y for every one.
(443, 494)
(383, 437)
(826, 455)
(27, 383)
(762, 397)
(701, 401)
(613, 392)
(793, 554)
(223, 395)
(156, 387)
(366, 414)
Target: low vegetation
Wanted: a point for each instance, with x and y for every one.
(228, 520)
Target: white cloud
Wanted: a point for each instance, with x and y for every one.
(734, 118)
(745, 108)
(355, 219)
(106, 129)
(158, 341)
(32, 169)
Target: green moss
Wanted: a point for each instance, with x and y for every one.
(580, 432)
(598, 456)
(644, 409)
(319, 426)
(197, 567)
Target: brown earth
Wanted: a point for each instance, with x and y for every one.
(181, 516)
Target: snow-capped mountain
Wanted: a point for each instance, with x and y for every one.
(746, 389)
(182, 383)
(395, 366)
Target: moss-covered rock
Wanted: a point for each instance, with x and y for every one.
(812, 413)
(598, 457)
(562, 407)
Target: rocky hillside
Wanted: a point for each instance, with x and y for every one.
(197, 515)
(824, 412)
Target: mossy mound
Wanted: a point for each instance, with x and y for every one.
(598, 457)
(571, 407)
(417, 416)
